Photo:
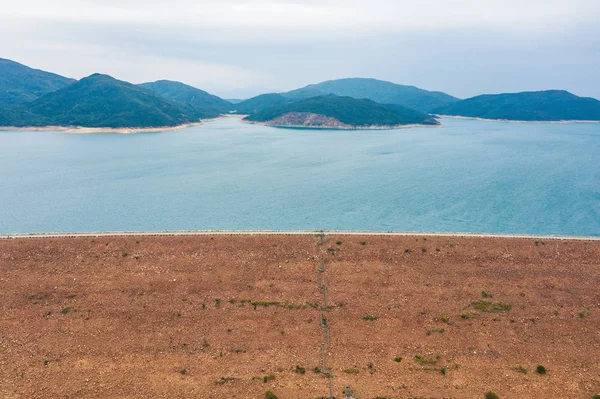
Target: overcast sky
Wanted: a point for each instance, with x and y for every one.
(239, 48)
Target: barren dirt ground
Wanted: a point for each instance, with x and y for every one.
(235, 316)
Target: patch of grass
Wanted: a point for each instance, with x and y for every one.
(351, 371)
(125, 254)
(300, 370)
(467, 316)
(398, 359)
(316, 370)
(331, 251)
(407, 251)
(521, 369)
(183, 371)
(491, 395)
(541, 370)
(435, 331)
(217, 303)
(596, 396)
(338, 243)
(270, 395)
(423, 250)
(491, 307)
(46, 362)
(224, 380)
(66, 310)
(363, 243)
(423, 360)
(71, 296)
(485, 294)
(437, 250)
(265, 304)
(445, 319)
(370, 318)
(267, 378)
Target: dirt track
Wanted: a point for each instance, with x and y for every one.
(134, 317)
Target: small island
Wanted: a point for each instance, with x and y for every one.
(334, 112)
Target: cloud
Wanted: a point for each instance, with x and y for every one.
(462, 46)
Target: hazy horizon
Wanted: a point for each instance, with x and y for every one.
(238, 49)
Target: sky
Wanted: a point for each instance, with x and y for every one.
(240, 48)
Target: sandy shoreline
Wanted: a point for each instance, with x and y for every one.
(121, 130)
(512, 121)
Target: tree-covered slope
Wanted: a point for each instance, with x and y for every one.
(347, 110)
(198, 102)
(378, 91)
(21, 84)
(98, 101)
(259, 103)
(550, 105)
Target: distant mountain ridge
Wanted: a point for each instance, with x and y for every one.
(21, 84)
(548, 105)
(376, 90)
(98, 101)
(261, 102)
(197, 102)
(334, 111)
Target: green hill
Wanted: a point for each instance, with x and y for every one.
(21, 84)
(334, 111)
(98, 101)
(260, 103)
(198, 102)
(550, 105)
(378, 91)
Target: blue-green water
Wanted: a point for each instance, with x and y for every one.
(469, 176)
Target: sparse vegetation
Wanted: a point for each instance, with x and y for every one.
(423, 360)
(398, 359)
(351, 371)
(521, 369)
(370, 317)
(407, 251)
(485, 294)
(267, 378)
(363, 243)
(183, 371)
(338, 243)
(316, 370)
(224, 380)
(491, 395)
(491, 307)
(300, 370)
(435, 330)
(66, 310)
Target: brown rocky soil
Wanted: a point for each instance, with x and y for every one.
(137, 317)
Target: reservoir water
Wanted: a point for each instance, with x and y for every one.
(468, 176)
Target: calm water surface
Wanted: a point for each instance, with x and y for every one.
(469, 176)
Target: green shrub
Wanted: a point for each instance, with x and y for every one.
(300, 370)
(398, 359)
(270, 395)
(491, 395)
(540, 369)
